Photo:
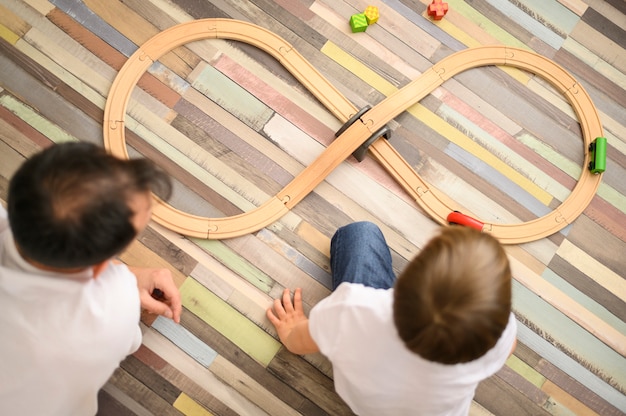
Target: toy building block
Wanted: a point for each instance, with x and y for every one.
(437, 9)
(358, 22)
(371, 14)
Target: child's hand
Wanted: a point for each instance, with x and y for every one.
(157, 292)
(291, 324)
(287, 315)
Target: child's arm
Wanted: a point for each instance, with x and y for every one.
(291, 324)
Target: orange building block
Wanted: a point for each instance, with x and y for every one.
(437, 9)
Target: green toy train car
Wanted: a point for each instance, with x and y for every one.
(597, 155)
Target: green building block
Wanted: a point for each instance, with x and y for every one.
(358, 22)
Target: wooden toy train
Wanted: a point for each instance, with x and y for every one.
(597, 155)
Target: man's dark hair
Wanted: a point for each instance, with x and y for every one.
(68, 205)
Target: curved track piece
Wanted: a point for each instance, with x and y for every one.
(354, 135)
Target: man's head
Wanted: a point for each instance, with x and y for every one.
(74, 206)
(452, 302)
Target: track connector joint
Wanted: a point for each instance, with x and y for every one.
(360, 152)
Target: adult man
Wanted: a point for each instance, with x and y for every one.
(70, 313)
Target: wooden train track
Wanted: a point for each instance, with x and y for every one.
(364, 126)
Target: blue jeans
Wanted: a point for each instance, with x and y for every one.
(359, 254)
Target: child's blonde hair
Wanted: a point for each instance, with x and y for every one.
(453, 301)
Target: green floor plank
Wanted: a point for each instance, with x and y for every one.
(229, 322)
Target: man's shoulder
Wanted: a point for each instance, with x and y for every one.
(116, 276)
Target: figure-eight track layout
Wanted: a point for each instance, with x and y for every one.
(361, 131)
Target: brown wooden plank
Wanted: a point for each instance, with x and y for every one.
(576, 389)
(599, 243)
(619, 5)
(142, 394)
(10, 160)
(276, 385)
(605, 26)
(565, 400)
(109, 406)
(295, 110)
(138, 255)
(214, 137)
(111, 56)
(299, 374)
(152, 13)
(529, 390)
(178, 172)
(21, 135)
(137, 29)
(200, 10)
(241, 166)
(512, 27)
(580, 281)
(500, 398)
(13, 22)
(527, 355)
(150, 379)
(290, 18)
(196, 392)
(177, 258)
(4, 188)
(608, 216)
(299, 8)
(583, 72)
(49, 81)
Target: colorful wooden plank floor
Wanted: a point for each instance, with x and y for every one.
(233, 127)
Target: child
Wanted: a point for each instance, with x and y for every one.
(70, 315)
(418, 345)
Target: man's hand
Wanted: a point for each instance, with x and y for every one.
(291, 324)
(158, 283)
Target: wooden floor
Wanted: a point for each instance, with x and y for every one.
(233, 127)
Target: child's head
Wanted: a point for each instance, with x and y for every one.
(453, 301)
(71, 205)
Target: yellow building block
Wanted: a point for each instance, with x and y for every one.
(371, 14)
